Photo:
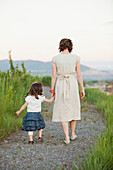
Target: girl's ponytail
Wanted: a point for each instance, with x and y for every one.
(27, 94)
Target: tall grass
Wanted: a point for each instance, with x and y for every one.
(101, 155)
(14, 84)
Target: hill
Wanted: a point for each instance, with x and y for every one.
(44, 68)
(32, 65)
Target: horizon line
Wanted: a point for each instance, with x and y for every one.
(50, 60)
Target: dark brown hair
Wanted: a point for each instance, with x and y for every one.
(36, 89)
(65, 43)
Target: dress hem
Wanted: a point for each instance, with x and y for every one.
(65, 120)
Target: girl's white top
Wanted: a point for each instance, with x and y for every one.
(34, 105)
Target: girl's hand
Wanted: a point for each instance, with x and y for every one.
(82, 94)
(53, 98)
(17, 113)
(53, 95)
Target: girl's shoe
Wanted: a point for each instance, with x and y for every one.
(73, 137)
(31, 142)
(40, 139)
(67, 141)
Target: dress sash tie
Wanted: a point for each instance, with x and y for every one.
(65, 78)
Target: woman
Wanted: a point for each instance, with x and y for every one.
(67, 103)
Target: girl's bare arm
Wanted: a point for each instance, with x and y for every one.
(49, 100)
(22, 108)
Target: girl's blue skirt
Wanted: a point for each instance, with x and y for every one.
(33, 121)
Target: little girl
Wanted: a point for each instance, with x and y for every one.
(33, 120)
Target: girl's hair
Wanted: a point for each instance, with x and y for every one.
(65, 43)
(36, 89)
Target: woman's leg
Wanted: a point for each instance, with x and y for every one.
(73, 125)
(65, 129)
(40, 133)
(30, 133)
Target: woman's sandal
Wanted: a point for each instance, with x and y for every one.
(73, 137)
(67, 142)
(31, 142)
(40, 139)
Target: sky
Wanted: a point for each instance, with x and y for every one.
(32, 29)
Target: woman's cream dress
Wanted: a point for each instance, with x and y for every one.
(67, 101)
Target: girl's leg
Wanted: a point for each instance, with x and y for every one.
(40, 133)
(65, 129)
(73, 125)
(30, 133)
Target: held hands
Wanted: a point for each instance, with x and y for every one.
(82, 94)
(53, 93)
(53, 97)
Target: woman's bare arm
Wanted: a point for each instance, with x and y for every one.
(79, 77)
(53, 81)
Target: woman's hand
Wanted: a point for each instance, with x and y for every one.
(52, 92)
(53, 95)
(82, 94)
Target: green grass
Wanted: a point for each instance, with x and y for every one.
(14, 84)
(101, 155)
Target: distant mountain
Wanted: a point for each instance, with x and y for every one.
(32, 65)
(44, 68)
(100, 65)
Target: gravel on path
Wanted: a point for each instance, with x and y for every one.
(17, 154)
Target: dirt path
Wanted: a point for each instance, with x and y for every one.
(17, 154)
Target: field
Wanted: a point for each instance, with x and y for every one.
(14, 84)
(101, 156)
